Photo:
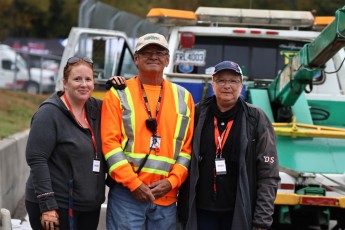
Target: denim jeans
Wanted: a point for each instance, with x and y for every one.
(125, 212)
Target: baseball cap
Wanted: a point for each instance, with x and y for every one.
(152, 38)
(227, 65)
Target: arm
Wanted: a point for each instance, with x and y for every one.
(118, 82)
(267, 173)
(40, 146)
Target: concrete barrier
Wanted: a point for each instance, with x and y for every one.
(14, 170)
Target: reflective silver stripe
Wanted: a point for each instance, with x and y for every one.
(181, 136)
(183, 161)
(127, 114)
(115, 158)
(181, 102)
(183, 119)
(153, 162)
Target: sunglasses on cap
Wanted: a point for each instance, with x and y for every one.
(73, 60)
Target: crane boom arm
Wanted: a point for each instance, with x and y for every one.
(301, 69)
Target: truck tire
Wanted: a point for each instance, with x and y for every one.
(32, 87)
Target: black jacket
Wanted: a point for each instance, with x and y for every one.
(59, 150)
(258, 171)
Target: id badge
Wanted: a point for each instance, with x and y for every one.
(155, 142)
(96, 166)
(220, 166)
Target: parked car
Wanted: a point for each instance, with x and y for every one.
(44, 78)
(15, 73)
(13, 69)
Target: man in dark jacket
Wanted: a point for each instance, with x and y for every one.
(234, 172)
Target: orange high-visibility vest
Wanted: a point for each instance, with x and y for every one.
(126, 139)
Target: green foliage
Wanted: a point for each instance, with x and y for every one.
(54, 18)
(37, 18)
(323, 8)
(16, 111)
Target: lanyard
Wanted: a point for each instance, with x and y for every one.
(146, 101)
(221, 139)
(87, 122)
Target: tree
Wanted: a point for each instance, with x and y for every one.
(22, 13)
(323, 8)
(5, 6)
(54, 18)
(37, 18)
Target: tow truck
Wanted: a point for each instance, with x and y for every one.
(293, 72)
(309, 153)
(296, 75)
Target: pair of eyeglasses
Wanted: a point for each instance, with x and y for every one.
(222, 82)
(151, 53)
(73, 60)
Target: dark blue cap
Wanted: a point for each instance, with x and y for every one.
(227, 65)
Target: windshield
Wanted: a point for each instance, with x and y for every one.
(111, 56)
(259, 58)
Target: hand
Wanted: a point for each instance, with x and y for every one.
(143, 193)
(160, 188)
(50, 220)
(117, 82)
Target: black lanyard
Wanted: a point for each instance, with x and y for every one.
(146, 101)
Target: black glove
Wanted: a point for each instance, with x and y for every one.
(111, 83)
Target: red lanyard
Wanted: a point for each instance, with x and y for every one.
(87, 122)
(221, 139)
(146, 101)
(220, 142)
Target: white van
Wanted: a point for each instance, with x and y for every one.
(15, 74)
(13, 69)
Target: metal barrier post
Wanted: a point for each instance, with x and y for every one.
(5, 220)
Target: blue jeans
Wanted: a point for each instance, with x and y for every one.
(125, 212)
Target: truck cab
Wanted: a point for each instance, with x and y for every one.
(13, 69)
(109, 50)
(261, 41)
(16, 74)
